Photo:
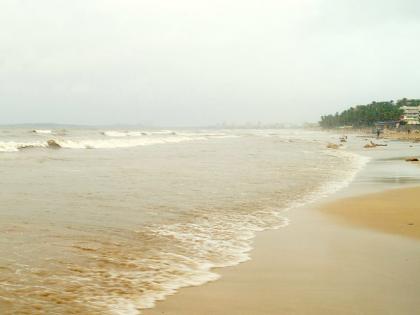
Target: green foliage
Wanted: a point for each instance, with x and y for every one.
(407, 102)
(365, 115)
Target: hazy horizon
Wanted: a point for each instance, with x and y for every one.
(245, 125)
(201, 63)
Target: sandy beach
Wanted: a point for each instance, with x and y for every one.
(403, 135)
(368, 265)
(395, 211)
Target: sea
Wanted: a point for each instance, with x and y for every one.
(112, 220)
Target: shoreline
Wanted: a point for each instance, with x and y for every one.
(386, 134)
(402, 135)
(332, 262)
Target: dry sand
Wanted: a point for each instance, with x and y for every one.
(316, 266)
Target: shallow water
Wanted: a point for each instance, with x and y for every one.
(118, 219)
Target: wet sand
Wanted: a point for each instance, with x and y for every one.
(403, 135)
(320, 266)
(394, 211)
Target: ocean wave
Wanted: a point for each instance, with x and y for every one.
(12, 146)
(163, 132)
(199, 133)
(163, 258)
(212, 135)
(189, 251)
(42, 131)
(119, 134)
(122, 143)
(130, 270)
(226, 239)
(121, 139)
(352, 164)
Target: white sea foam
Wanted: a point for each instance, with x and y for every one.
(352, 164)
(118, 134)
(122, 143)
(205, 133)
(126, 142)
(42, 131)
(131, 133)
(221, 240)
(123, 307)
(114, 140)
(12, 146)
(163, 132)
(227, 240)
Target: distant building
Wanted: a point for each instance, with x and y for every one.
(411, 115)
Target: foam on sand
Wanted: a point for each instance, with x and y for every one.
(184, 253)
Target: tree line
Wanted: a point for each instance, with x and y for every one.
(367, 115)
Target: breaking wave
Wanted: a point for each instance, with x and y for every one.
(117, 133)
(42, 131)
(13, 146)
(111, 139)
(122, 143)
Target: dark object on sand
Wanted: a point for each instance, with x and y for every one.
(333, 146)
(53, 144)
(373, 145)
(411, 159)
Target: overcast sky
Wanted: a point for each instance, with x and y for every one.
(195, 62)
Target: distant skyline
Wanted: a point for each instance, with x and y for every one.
(200, 63)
